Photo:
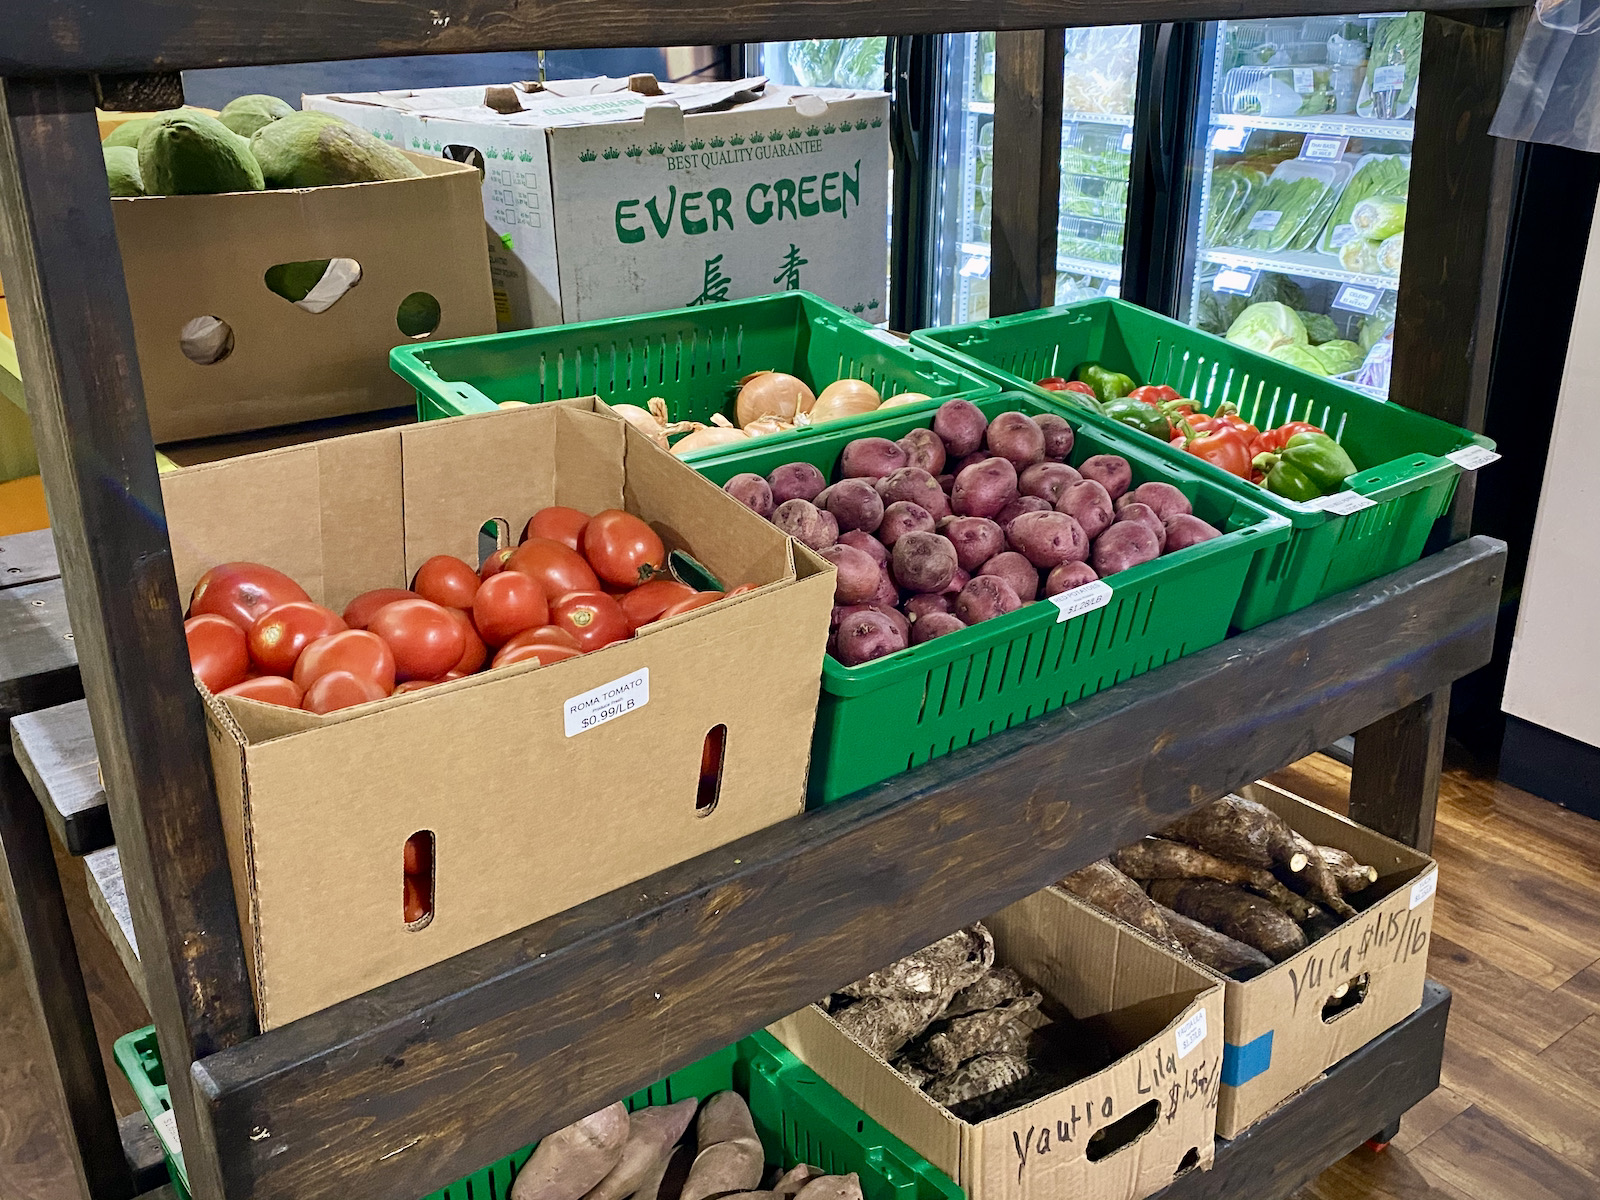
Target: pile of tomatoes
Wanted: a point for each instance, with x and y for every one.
(573, 584)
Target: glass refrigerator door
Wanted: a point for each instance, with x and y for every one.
(1300, 180)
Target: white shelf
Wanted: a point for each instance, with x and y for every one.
(1088, 118)
(985, 107)
(1305, 264)
(1332, 123)
(1075, 266)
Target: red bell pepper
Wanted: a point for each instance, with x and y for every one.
(1155, 393)
(1082, 388)
(1054, 383)
(1275, 440)
(1224, 446)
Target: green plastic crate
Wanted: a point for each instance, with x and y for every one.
(798, 1116)
(693, 358)
(1401, 455)
(887, 716)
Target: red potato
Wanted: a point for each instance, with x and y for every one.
(870, 458)
(903, 517)
(806, 523)
(984, 488)
(1016, 437)
(821, 500)
(447, 581)
(961, 425)
(1146, 516)
(985, 597)
(946, 481)
(926, 603)
(1165, 500)
(1089, 504)
(866, 543)
(976, 539)
(1058, 436)
(1111, 471)
(924, 448)
(887, 596)
(1047, 480)
(856, 580)
(1126, 544)
(1022, 504)
(1185, 530)
(795, 481)
(934, 625)
(865, 635)
(845, 612)
(1048, 539)
(1067, 576)
(967, 460)
(957, 582)
(1017, 571)
(916, 485)
(571, 1161)
(923, 562)
(752, 491)
(855, 505)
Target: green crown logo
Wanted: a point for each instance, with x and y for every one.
(861, 124)
(633, 152)
(830, 127)
(755, 138)
(587, 156)
(611, 152)
(795, 135)
(657, 148)
(718, 142)
(418, 144)
(525, 156)
(777, 135)
(813, 131)
(858, 307)
(872, 304)
(493, 153)
(697, 144)
(677, 147)
(876, 122)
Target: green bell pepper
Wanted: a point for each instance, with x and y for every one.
(1108, 385)
(1285, 479)
(1321, 459)
(1136, 414)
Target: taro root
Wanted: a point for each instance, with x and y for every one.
(984, 488)
(940, 969)
(979, 1076)
(795, 481)
(960, 424)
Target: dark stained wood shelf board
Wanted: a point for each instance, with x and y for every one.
(38, 661)
(498, 1046)
(55, 748)
(108, 894)
(27, 558)
(142, 1148)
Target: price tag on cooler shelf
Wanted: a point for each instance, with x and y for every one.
(1470, 458)
(1079, 600)
(1352, 298)
(607, 702)
(1266, 220)
(1229, 138)
(1323, 147)
(1236, 281)
(1304, 81)
(1388, 79)
(1127, 140)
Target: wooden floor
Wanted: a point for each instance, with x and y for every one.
(1516, 936)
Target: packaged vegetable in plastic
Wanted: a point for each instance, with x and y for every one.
(1339, 356)
(1389, 252)
(1271, 97)
(813, 61)
(1377, 175)
(861, 63)
(1390, 88)
(1303, 357)
(1267, 326)
(1379, 217)
(1374, 372)
(1359, 255)
(1319, 326)
(1102, 66)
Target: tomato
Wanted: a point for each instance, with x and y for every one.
(689, 604)
(269, 689)
(427, 641)
(341, 689)
(496, 562)
(473, 656)
(242, 591)
(279, 634)
(594, 618)
(557, 524)
(217, 651)
(415, 685)
(355, 650)
(648, 601)
(419, 855)
(447, 581)
(622, 549)
(359, 611)
(742, 589)
(506, 604)
(546, 635)
(540, 652)
(557, 568)
(416, 901)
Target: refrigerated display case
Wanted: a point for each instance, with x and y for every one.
(828, 62)
(1301, 169)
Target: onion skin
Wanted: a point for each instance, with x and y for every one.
(700, 439)
(905, 398)
(772, 394)
(845, 398)
(641, 420)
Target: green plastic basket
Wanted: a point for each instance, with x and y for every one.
(798, 1116)
(693, 358)
(887, 716)
(1401, 455)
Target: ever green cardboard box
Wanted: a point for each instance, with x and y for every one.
(533, 807)
(1121, 1133)
(612, 197)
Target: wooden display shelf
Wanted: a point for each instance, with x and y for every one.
(55, 749)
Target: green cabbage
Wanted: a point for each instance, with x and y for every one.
(1319, 326)
(1379, 217)
(813, 61)
(1339, 356)
(1303, 357)
(1267, 326)
(861, 63)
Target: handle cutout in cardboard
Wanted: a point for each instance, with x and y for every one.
(713, 752)
(1345, 997)
(1188, 1162)
(470, 155)
(1124, 1131)
(418, 315)
(418, 880)
(206, 340)
(494, 534)
(315, 284)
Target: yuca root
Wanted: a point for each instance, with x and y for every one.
(1112, 892)
(1157, 858)
(1241, 829)
(1216, 950)
(883, 1024)
(937, 971)
(1319, 881)
(1237, 913)
(1353, 876)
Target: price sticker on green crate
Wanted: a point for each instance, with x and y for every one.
(607, 702)
(166, 1127)
(1236, 281)
(1079, 600)
(1354, 298)
(1340, 504)
(1470, 458)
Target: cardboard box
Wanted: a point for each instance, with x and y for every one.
(611, 199)
(1161, 1012)
(1285, 1027)
(534, 805)
(186, 257)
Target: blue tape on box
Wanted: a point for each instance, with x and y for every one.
(1241, 1064)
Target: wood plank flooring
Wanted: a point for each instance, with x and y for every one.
(1516, 937)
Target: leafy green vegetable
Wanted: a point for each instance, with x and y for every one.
(1319, 326)
(1359, 255)
(861, 63)
(1303, 357)
(1275, 213)
(1379, 175)
(813, 61)
(1379, 217)
(1339, 356)
(1396, 42)
(1389, 251)
(1266, 326)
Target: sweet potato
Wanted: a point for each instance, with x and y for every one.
(1353, 876)
(752, 491)
(960, 424)
(723, 1117)
(1241, 829)
(1016, 437)
(1216, 950)
(735, 1165)
(984, 488)
(1112, 471)
(795, 1178)
(651, 1135)
(1126, 545)
(1058, 436)
(924, 448)
(883, 1024)
(1233, 911)
(666, 1182)
(571, 1161)
(795, 481)
(1112, 892)
(1047, 480)
(1089, 504)
(1014, 567)
(870, 458)
(1158, 858)
(855, 505)
(832, 1187)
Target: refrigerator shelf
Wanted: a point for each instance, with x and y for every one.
(982, 107)
(1334, 124)
(1305, 264)
(1096, 118)
(1073, 266)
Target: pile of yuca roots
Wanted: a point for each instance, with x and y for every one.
(1232, 886)
(612, 1155)
(976, 1038)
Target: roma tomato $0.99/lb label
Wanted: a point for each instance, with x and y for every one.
(607, 702)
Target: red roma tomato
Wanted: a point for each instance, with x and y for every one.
(506, 604)
(340, 689)
(496, 562)
(543, 635)
(355, 650)
(279, 634)
(217, 652)
(543, 653)
(269, 689)
(476, 653)
(594, 618)
(742, 589)
(557, 568)
(427, 641)
(414, 685)
(648, 601)
(359, 611)
(622, 549)
(418, 856)
(242, 591)
(447, 581)
(557, 524)
(698, 600)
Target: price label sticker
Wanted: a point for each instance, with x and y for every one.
(1323, 147)
(1266, 220)
(1191, 1033)
(1424, 887)
(1351, 298)
(1229, 138)
(1341, 504)
(1127, 140)
(1470, 458)
(1236, 281)
(1080, 600)
(1388, 79)
(166, 1126)
(607, 702)
(1304, 81)
(1341, 235)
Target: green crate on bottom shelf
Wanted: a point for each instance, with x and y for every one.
(799, 1117)
(898, 712)
(1401, 456)
(693, 358)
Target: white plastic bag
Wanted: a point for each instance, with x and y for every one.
(1553, 94)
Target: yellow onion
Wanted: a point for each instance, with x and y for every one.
(762, 426)
(905, 398)
(772, 394)
(707, 436)
(652, 421)
(845, 398)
